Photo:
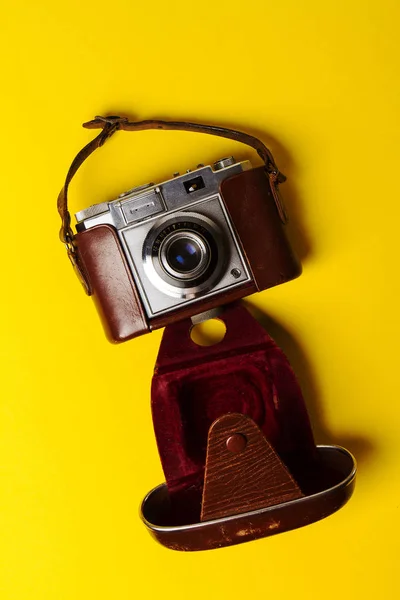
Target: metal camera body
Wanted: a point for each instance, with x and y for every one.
(177, 237)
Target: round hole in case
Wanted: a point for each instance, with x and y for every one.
(208, 333)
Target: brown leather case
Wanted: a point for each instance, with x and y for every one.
(249, 200)
(111, 283)
(235, 442)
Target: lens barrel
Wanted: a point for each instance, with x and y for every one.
(184, 254)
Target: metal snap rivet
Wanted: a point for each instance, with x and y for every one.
(236, 443)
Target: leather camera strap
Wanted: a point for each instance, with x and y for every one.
(110, 124)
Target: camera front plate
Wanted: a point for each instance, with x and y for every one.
(156, 298)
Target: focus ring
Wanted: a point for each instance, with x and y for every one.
(184, 276)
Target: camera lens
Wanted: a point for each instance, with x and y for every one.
(184, 255)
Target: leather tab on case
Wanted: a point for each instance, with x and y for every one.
(111, 283)
(243, 471)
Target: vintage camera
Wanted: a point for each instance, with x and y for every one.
(186, 245)
(163, 252)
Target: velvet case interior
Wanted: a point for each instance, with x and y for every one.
(245, 373)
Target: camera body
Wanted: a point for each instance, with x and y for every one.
(164, 252)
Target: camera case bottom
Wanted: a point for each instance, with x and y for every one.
(235, 442)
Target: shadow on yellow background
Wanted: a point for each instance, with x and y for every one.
(319, 82)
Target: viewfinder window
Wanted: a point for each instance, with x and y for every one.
(193, 185)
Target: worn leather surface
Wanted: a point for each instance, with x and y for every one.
(250, 202)
(243, 471)
(111, 283)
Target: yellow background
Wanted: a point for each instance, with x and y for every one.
(319, 81)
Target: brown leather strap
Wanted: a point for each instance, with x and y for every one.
(110, 124)
(110, 127)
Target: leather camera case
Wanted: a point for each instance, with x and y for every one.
(255, 215)
(235, 442)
